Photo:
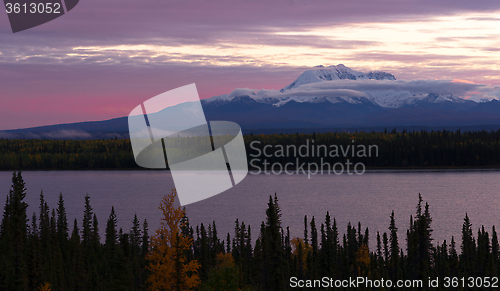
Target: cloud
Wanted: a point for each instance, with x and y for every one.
(221, 45)
(241, 92)
(486, 93)
(413, 86)
(314, 41)
(491, 49)
(367, 88)
(199, 19)
(322, 91)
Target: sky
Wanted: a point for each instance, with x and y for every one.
(105, 57)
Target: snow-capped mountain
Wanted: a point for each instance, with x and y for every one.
(337, 96)
(339, 72)
(339, 83)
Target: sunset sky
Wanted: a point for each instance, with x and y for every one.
(107, 56)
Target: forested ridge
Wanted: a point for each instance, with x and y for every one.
(44, 252)
(416, 149)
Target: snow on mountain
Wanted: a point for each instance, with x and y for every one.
(217, 99)
(397, 99)
(277, 99)
(336, 84)
(339, 72)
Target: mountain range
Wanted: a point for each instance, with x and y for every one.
(324, 99)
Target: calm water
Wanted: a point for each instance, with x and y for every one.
(368, 198)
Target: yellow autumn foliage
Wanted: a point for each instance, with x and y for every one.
(363, 260)
(224, 260)
(305, 249)
(167, 262)
(363, 255)
(45, 287)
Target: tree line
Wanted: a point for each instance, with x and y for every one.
(37, 154)
(415, 149)
(41, 253)
(388, 149)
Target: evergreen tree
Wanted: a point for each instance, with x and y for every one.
(494, 249)
(314, 254)
(87, 224)
(34, 264)
(468, 246)
(273, 252)
(145, 238)
(306, 240)
(379, 251)
(420, 241)
(385, 241)
(135, 236)
(62, 223)
(111, 234)
(453, 258)
(96, 239)
(44, 222)
(13, 237)
(75, 234)
(394, 257)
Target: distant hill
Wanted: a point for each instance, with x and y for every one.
(333, 98)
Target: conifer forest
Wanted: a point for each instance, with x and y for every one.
(402, 150)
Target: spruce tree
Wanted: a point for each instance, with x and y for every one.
(96, 239)
(135, 236)
(494, 248)
(468, 247)
(394, 256)
(111, 234)
(62, 223)
(273, 271)
(87, 224)
(75, 234)
(145, 238)
(13, 238)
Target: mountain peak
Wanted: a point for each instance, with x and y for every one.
(338, 72)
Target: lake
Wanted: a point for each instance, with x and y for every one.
(367, 198)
